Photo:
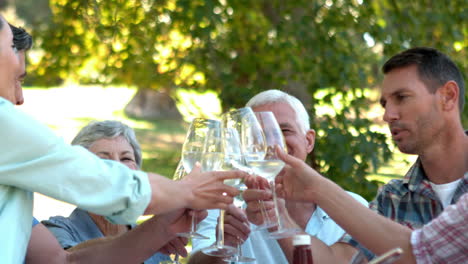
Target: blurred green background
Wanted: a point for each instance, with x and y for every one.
(171, 53)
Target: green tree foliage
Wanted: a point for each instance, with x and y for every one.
(241, 47)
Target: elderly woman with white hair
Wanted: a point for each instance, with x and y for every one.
(110, 140)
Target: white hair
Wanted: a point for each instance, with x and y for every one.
(277, 96)
(97, 130)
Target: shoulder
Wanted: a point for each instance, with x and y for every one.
(395, 187)
(78, 222)
(57, 221)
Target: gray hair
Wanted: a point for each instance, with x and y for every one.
(277, 96)
(108, 129)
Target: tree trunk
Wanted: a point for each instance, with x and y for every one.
(150, 104)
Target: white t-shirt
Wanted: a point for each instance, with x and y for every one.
(445, 191)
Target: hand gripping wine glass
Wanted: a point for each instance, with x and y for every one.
(271, 165)
(243, 122)
(192, 152)
(213, 159)
(239, 257)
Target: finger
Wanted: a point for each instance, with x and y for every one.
(180, 247)
(250, 181)
(196, 168)
(279, 190)
(258, 206)
(170, 248)
(288, 159)
(254, 211)
(256, 195)
(165, 251)
(237, 213)
(279, 178)
(200, 215)
(263, 183)
(225, 175)
(236, 228)
(229, 190)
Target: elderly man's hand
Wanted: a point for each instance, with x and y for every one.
(175, 246)
(175, 222)
(258, 195)
(236, 226)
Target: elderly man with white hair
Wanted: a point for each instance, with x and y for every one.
(300, 138)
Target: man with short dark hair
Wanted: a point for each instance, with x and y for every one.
(423, 94)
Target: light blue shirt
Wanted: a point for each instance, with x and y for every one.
(34, 159)
(266, 250)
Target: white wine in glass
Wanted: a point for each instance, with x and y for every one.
(192, 152)
(214, 159)
(271, 165)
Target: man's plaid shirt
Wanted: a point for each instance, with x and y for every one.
(410, 201)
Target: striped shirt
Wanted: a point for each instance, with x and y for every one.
(444, 240)
(410, 201)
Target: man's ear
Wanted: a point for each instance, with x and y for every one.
(310, 138)
(449, 93)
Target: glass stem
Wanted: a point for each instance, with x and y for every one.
(193, 225)
(263, 211)
(239, 251)
(220, 235)
(275, 202)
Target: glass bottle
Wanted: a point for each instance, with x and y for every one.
(302, 251)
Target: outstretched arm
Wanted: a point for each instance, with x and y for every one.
(374, 231)
(198, 190)
(134, 246)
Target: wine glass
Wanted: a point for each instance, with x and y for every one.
(243, 125)
(213, 159)
(233, 159)
(271, 165)
(239, 257)
(192, 151)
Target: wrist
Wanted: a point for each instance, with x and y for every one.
(322, 189)
(186, 195)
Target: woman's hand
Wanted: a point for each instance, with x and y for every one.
(206, 190)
